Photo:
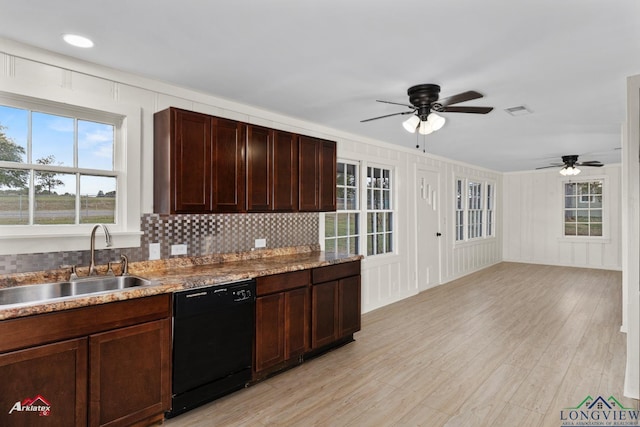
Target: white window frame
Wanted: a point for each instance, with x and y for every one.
(605, 210)
(357, 211)
(465, 211)
(17, 239)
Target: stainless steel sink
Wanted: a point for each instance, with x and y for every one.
(83, 286)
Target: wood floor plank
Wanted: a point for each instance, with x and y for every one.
(509, 345)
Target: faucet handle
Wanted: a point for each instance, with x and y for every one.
(74, 274)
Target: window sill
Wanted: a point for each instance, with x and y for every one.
(476, 241)
(29, 244)
(583, 239)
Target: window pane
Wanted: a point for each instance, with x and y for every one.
(13, 134)
(97, 199)
(380, 246)
(370, 248)
(570, 229)
(342, 245)
(353, 246)
(596, 201)
(353, 224)
(596, 229)
(352, 199)
(583, 188)
(583, 229)
(583, 216)
(570, 202)
(55, 202)
(596, 187)
(389, 223)
(351, 175)
(570, 216)
(95, 145)
(570, 189)
(370, 223)
(595, 215)
(389, 240)
(329, 225)
(14, 197)
(52, 139)
(386, 201)
(340, 178)
(330, 245)
(340, 200)
(341, 224)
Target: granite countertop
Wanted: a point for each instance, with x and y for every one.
(175, 274)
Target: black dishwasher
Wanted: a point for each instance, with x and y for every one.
(212, 343)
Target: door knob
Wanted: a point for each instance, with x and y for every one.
(438, 234)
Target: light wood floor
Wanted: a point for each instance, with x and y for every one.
(511, 345)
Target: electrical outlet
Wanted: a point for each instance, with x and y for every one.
(260, 243)
(178, 249)
(154, 251)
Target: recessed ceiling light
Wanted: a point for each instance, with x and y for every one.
(77, 41)
(520, 110)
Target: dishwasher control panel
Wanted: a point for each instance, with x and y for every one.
(242, 294)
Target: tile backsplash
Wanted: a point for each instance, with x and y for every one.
(203, 235)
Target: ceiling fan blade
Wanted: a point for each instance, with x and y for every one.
(474, 110)
(461, 97)
(557, 165)
(388, 115)
(396, 103)
(594, 164)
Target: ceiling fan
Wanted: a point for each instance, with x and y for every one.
(569, 164)
(425, 103)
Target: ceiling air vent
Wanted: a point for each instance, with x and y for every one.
(520, 110)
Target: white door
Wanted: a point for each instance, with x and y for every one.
(428, 229)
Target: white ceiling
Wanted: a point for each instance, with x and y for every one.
(327, 61)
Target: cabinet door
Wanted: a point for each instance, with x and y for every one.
(53, 376)
(130, 374)
(328, 176)
(349, 306)
(259, 167)
(324, 314)
(228, 166)
(285, 171)
(191, 154)
(309, 170)
(296, 313)
(269, 331)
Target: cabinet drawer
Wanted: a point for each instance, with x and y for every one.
(281, 282)
(334, 272)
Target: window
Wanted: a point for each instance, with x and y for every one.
(490, 210)
(56, 169)
(379, 211)
(474, 209)
(342, 227)
(459, 209)
(583, 208)
(64, 167)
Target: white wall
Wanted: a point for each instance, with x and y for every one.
(533, 218)
(386, 278)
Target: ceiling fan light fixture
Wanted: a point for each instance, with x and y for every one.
(569, 171)
(436, 121)
(411, 124)
(426, 127)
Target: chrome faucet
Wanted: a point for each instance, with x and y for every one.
(107, 238)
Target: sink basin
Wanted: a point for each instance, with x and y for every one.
(83, 286)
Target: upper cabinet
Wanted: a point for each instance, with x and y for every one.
(206, 164)
(317, 179)
(272, 170)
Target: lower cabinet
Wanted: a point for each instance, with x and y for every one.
(282, 320)
(129, 368)
(335, 303)
(52, 379)
(106, 365)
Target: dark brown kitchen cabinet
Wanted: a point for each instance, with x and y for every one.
(182, 162)
(131, 383)
(335, 303)
(272, 170)
(101, 365)
(53, 376)
(282, 320)
(317, 179)
(199, 163)
(228, 172)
